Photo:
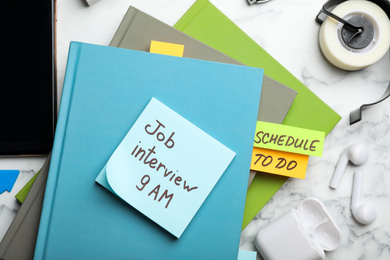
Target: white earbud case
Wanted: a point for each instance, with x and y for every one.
(300, 234)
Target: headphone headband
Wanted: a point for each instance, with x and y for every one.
(331, 4)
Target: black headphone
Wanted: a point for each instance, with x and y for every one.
(331, 4)
(356, 33)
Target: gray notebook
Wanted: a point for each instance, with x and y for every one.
(138, 29)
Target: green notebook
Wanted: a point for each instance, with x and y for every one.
(206, 23)
(22, 194)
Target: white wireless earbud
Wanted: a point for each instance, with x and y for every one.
(363, 213)
(356, 153)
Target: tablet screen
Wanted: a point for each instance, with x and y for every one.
(27, 92)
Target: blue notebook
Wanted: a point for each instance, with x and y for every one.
(105, 90)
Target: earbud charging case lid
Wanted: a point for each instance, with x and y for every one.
(317, 221)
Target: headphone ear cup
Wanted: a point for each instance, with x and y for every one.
(338, 52)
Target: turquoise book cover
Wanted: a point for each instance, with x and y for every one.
(105, 91)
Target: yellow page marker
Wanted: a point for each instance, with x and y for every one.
(279, 162)
(289, 139)
(167, 48)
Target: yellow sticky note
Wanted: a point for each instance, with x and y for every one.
(289, 139)
(279, 162)
(167, 48)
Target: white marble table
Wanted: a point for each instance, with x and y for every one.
(288, 31)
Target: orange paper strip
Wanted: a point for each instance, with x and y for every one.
(279, 162)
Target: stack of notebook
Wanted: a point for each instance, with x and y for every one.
(105, 90)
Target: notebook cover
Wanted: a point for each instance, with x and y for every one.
(137, 29)
(206, 23)
(19, 241)
(105, 90)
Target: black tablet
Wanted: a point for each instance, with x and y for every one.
(28, 89)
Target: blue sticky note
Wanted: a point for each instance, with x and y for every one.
(165, 167)
(247, 255)
(7, 179)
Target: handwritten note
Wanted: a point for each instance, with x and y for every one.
(279, 162)
(167, 48)
(165, 167)
(289, 139)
